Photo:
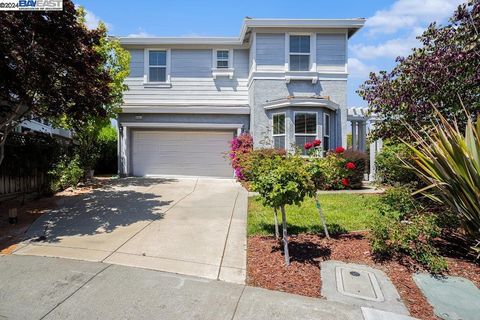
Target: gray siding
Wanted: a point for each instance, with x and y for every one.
(240, 63)
(136, 63)
(270, 53)
(331, 52)
(191, 80)
(262, 91)
(191, 63)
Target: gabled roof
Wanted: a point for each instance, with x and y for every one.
(352, 25)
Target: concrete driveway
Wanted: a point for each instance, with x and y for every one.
(191, 226)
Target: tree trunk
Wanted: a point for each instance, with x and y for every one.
(275, 217)
(285, 236)
(322, 216)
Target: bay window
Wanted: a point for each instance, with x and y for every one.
(305, 129)
(279, 130)
(326, 132)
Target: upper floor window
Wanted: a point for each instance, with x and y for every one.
(299, 55)
(279, 130)
(326, 131)
(223, 59)
(305, 129)
(157, 66)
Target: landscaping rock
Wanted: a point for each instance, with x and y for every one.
(452, 298)
(360, 285)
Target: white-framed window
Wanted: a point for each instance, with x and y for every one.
(305, 128)
(326, 131)
(157, 67)
(299, 55)
(279, 130)
(222, 59)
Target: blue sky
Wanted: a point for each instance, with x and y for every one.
(389, 32)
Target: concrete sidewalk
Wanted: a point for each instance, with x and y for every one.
(53, 288)
(190, 226)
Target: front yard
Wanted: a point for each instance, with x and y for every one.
(348, 217)
(344, 213)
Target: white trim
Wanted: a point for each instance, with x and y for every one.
(186, 110)
(313, 55)
(219, 72)
(146, 68)
(295, 75)
(352, 25)
(168, 125)
(301, 102)
(346, 52)
(253, 51)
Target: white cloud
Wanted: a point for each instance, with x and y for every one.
(141, 33)
(390, 49)
(92, 21)
(410, 13)
(359, 70)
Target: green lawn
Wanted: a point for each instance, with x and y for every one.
(344, 212)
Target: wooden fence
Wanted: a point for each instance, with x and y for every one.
(14, 183)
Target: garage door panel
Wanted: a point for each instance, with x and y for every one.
(196, 153)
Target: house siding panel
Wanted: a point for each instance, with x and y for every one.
(136, 63)
(191, 63)
(240, 63)
(270, 53)
(331, 52)
(192, 82)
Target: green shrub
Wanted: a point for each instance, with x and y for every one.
(339, 170)
(389, 167)
(329, 172)
(66, 173)
(399, 202)
(107, 144)
(253, 164)
(400, 228)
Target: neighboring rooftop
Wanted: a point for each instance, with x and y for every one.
(352, 25)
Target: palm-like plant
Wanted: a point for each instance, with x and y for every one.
(449, 162)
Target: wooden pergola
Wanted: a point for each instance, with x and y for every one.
(362, 124)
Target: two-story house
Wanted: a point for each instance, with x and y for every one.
(282, 80)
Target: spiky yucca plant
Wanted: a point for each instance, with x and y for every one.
(449, 162)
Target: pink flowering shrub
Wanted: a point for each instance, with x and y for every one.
(240, 148)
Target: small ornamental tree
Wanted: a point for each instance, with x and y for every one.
(284, 181)
(444, 72)
(314, 150)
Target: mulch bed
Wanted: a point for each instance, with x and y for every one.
(266, 268)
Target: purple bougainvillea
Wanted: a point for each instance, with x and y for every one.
(443, 73)
(239, 146)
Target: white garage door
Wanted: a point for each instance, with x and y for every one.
(186, 153)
